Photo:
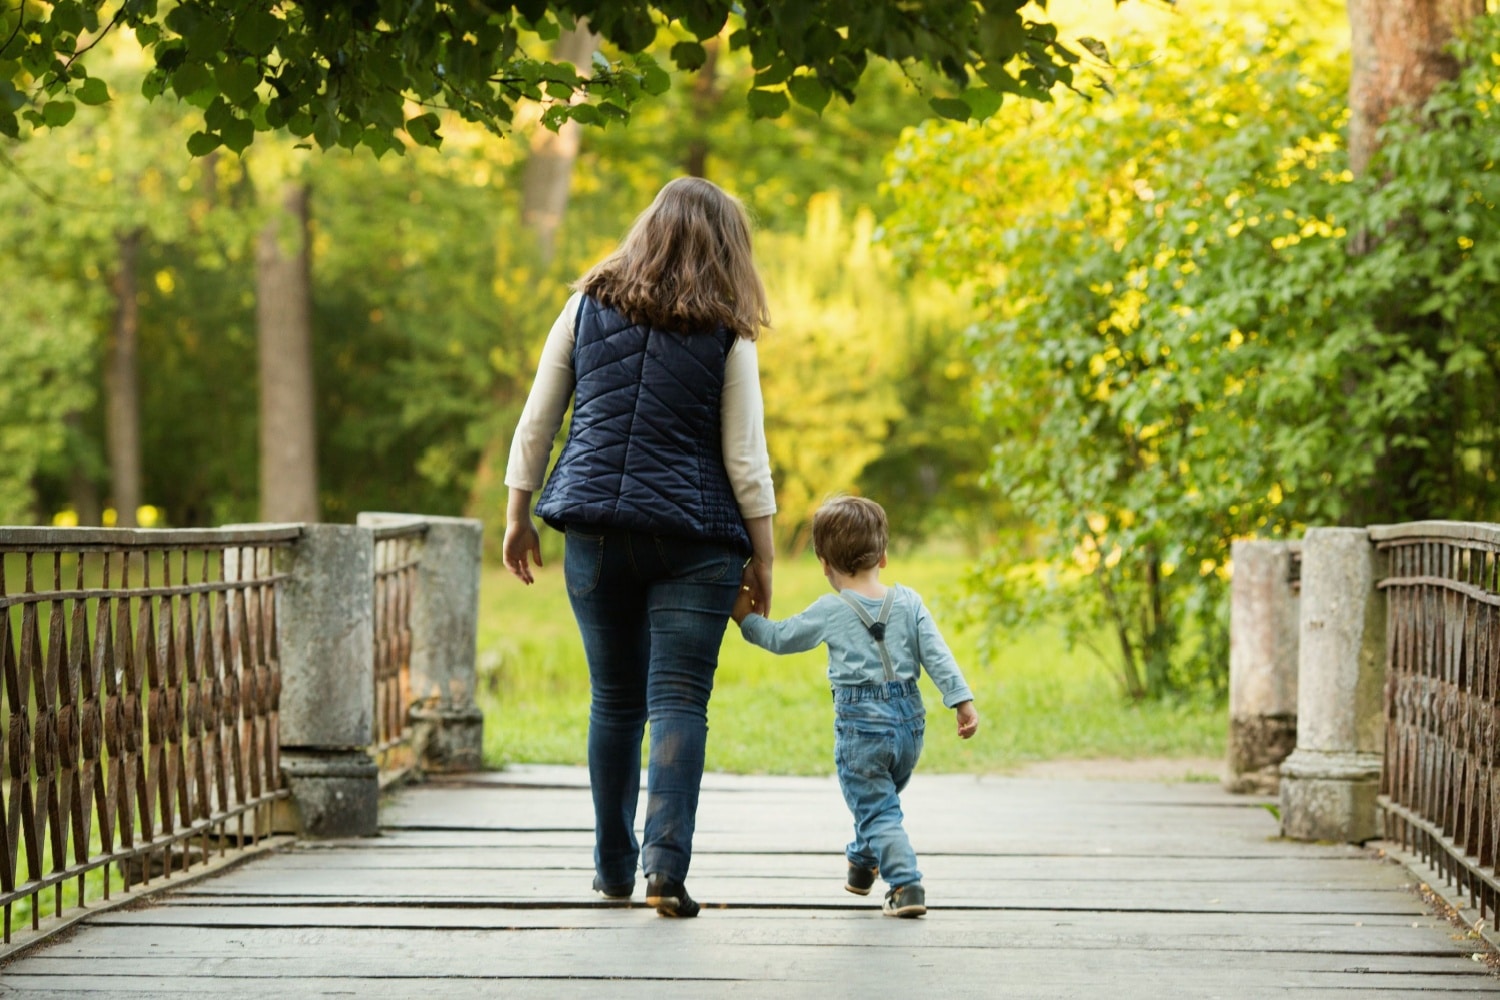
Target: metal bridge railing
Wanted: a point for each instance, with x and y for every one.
(1441, 780)
(139, 684)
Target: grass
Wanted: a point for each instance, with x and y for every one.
(771, 714)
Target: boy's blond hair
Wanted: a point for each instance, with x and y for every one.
(850, 533)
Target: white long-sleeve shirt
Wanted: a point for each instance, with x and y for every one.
(741, 418)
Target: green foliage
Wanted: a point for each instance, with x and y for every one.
(1183, 344)
(66, 204)
(360, 74)
(846, 372)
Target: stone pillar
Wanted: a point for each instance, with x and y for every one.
(448, 728)
(327, 643)
(1330, 782)
(1263, 610)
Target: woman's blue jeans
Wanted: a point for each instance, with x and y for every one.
(877, 738)
(652, 610)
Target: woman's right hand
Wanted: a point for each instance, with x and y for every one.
(522, 543)
(522, 547)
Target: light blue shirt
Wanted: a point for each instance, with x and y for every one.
(911, 637)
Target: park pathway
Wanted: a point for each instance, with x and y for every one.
(1039, 888)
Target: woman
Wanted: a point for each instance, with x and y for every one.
(663, 489)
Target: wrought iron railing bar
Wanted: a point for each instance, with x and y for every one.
(121, 734)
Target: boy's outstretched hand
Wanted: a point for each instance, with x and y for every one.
(968, 719)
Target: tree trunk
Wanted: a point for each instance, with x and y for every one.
(1399, 60)
(283, 311)
(706, 96)
(549, 170)
(83, 489)
(122, 388)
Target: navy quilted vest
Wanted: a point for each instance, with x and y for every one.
(644, 450)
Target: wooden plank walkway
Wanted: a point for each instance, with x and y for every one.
(1038, 888)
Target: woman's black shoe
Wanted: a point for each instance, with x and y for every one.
(670, 897)
(620, 890)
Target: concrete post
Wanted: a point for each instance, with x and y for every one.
(448, 728)
(1330, 782)
(1263, 613)
(326, 625)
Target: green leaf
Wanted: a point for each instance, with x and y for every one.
(238, 133)
(67, 16)
(10, 126)
(586, 114)
(184, 18)
(810, 92)
(423, 130)
(951, 107)
(705, 20)
(982, 101)
(1002, 34)
(208, 40)
(779, 71)
(56, 114)
(655, 81)
(237, 80)
(689, 55)
(93, 91)
(190, 78)
(202, 143)
(768, 103)
(326, 129)
(1097, 49)
(257, 31)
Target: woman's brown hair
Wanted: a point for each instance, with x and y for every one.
(686, 265)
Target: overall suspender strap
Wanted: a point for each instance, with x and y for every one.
(876, 628)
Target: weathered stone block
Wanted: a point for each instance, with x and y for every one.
(1263, 647)
(334, 794)
(1330, 796)
(1330, 783)
(327, 639)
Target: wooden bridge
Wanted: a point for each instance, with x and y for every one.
(195, 728)
(478, 886)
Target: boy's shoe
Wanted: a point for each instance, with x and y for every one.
(670, 897)
(905, 901)
(860, 880)
(619, 890)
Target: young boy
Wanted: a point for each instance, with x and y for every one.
(879, 638)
